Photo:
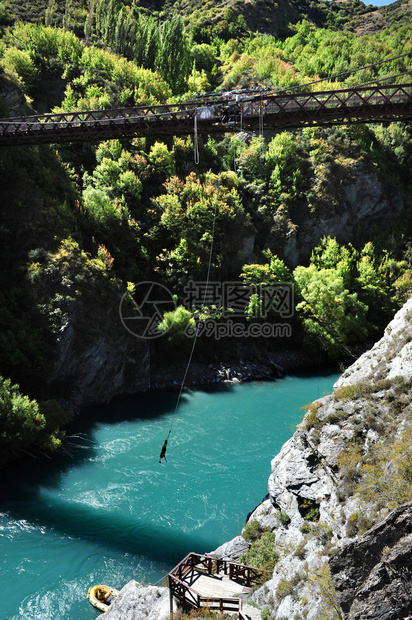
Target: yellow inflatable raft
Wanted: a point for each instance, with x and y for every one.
(102, 596)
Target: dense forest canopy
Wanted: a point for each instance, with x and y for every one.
(86, 222)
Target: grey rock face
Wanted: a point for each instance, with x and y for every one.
(373, 574)
(109, 363)
(139, 602)
(231, 550)
(13, 97)
(347, 196)
(390, 357)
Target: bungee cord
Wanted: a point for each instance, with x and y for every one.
(196, 334)
(261, 125)
(195, 142)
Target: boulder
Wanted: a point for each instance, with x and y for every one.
(231, 550)
(139, 602)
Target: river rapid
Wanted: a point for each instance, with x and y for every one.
(109, 512)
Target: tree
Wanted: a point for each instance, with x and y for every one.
(374, 285)
(175, 324)
(275, 271)
(173, 57)
(162, 160)
(283, 163)
(330, 313)
(329, 254)
(146, 48)
(19, 63)
(23, 424)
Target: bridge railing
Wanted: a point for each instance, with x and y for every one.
(367, 101)
(349, 105)
(98, 115)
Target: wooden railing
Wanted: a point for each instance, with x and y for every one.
(187, 595)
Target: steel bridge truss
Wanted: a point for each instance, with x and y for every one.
(257, 112)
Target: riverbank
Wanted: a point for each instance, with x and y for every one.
(263, 367)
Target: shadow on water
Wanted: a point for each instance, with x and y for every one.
(138, 407)
(23, 499)
(30, 474)
(109, 529)
(81, 432)
(33, 473)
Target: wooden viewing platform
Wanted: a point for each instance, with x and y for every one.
(203, 581)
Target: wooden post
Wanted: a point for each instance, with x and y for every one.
(171, 599)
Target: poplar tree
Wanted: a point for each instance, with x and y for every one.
(173, 60)
(147, 46)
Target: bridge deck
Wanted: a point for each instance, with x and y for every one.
(384, 103)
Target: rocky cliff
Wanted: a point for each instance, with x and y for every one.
(99, 364)
(12, 99)
(342, 551)
(339, 497)
(350, 194)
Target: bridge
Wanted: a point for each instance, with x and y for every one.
(235, 112)
(202, 581)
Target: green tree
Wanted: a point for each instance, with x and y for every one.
(162, 161)
(175, 323)
(374, 285)
(329, 254)
(173, 57)
(330, 313)
(275, 271)
(20, 64)
(283, 163)
(147, 45)
(24, 425)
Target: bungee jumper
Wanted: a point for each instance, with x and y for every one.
(163, 452)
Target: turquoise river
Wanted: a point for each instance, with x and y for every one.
(108, 512)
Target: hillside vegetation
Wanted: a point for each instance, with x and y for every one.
(81, 224)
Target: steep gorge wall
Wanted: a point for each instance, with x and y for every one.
(329, 536)
(99, 363)
(349, 196)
